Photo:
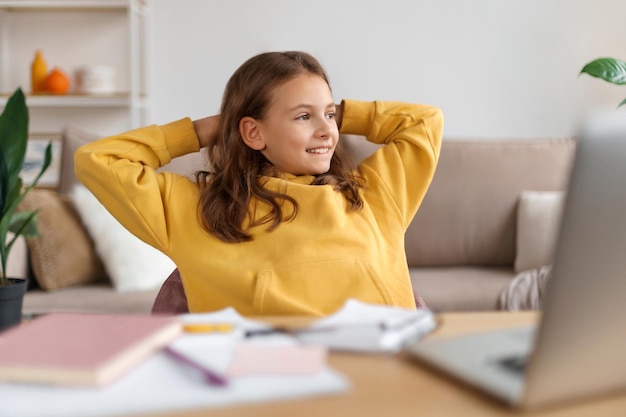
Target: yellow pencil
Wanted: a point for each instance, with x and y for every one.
(207, 327)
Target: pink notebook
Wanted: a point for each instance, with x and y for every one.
(81, 349)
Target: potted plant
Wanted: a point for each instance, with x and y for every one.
(612, 70)
(14, 223)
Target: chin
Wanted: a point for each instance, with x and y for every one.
(321, 171)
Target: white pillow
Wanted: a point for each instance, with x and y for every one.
(538, 220)
(131, 264)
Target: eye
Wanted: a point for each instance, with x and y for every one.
(330, 115)
(303, 117)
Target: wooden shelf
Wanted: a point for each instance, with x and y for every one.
(76, 100)
(67, 4)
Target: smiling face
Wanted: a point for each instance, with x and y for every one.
(298, 133)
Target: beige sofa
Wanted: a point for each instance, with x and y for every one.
(464, 242)
(461, 247)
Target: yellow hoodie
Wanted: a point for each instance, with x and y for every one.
(308, 266)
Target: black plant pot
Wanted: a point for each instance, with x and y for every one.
(11, 297)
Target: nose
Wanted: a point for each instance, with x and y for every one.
(324, 128)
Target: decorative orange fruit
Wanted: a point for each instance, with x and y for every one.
(57, 82)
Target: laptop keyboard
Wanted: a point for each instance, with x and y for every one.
(516, 364)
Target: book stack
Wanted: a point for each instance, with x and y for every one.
(77, 349)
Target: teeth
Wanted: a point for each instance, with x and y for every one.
(318, 150)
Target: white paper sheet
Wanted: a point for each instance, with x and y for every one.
(372, 328)
(162, 384)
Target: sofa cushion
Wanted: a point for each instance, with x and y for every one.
(461, 288)
(63, 254)
(93, 298)
(538, 219)
(131, 264)
(469, 214)
(73, 138)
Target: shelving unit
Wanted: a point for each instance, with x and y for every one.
(73, 33)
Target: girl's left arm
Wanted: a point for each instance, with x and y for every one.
(402, 169)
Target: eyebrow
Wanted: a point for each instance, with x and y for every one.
(309, 106)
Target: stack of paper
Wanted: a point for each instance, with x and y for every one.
(257, 369)
(161, 384)
(366, 327)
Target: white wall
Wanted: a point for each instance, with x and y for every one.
(497, 68)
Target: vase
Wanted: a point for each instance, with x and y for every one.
(11, 297)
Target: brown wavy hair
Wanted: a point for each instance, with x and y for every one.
(234, 177)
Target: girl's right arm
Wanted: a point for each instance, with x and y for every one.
(121, 171)
(206, 128)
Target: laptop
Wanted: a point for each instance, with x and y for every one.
(578, 350)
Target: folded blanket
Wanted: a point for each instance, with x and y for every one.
(526, 291)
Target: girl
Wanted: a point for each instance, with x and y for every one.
(278, 223)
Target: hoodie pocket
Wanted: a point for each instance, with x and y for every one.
(316, 288)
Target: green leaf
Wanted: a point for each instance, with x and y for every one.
(13, 199)
(622, 103)
(4, 182)
(13, 144)
(46, 163)
(611, 70)
(24, 223)
(13, 139)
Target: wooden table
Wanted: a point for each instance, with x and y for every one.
(398, 386)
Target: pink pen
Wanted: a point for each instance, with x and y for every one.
(210, 376)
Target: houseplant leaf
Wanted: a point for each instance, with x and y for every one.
(12, 199)
(24, 223)
(47, 160)
(17, 222)
(13, 145)
(612, 70)
(13, 139)
(4, 182)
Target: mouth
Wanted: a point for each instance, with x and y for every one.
(322, 150)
